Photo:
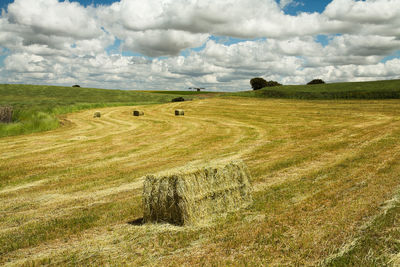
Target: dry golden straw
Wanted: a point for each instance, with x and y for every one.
(195, 195)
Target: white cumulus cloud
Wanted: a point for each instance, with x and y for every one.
(175, 44)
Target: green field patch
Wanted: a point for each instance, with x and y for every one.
(36, 107)
(350, 90)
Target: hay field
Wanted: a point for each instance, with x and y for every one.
(323, 172)
(36, 106)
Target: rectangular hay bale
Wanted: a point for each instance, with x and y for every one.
(179, 112)
(6, 114)
(192, 196)
(138, 113)
(97, 114)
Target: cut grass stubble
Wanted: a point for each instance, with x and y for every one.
(320, 171)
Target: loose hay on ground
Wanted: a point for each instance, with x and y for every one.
(196, 195)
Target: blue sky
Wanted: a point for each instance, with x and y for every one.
(307, 6)
(175, 44)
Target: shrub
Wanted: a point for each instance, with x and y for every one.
(6, 114)
(316, 81)
(258, 83)
(272, 84)
(178, 99)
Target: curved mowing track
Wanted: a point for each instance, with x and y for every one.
(320, 168)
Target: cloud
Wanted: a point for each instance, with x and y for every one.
(47, 41)
(285, 3)
(243, 19)
(369, 12)
(155, 43)
(378, 17)
(53, 18)
(49, 27)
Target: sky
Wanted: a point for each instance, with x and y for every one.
(216, 44)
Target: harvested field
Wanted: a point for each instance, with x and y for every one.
(321, 170)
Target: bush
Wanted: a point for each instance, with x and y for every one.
(272, 84)
(6, 114)
(178, 99)
(316, 81)
(258, 83)
(76, 85)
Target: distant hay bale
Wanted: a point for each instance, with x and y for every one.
(97, 114)
(192, 196)
(138, 113)
(6, 114)
(179, 112)
(76, 85)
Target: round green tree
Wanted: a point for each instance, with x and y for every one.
(258, 83)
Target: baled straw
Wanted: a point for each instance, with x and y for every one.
(195, 195)
(138, 113)
(179, 112)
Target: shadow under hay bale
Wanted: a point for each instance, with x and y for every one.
(6, 114)
(196, 195)
(138, 113)
(179, 112)
(97, 114)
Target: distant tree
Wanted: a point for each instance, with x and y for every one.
(316, 81)
(258, 83)
(76, 85)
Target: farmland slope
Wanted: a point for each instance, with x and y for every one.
(388, 89)
(36, 107)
